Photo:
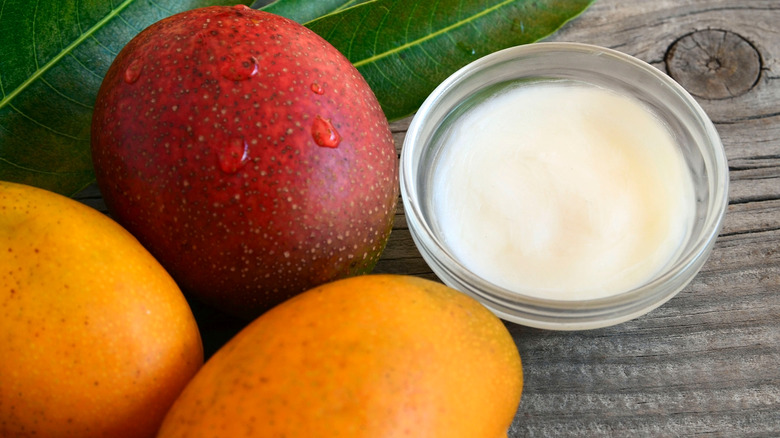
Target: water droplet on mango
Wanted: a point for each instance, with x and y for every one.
(317, 88)
(234, 156)
(324, 133)
(133, 71)
(240, 69)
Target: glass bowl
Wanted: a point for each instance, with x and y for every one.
(688, 124)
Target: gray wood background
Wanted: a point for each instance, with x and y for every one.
(707, 363)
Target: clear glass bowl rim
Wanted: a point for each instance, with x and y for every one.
(562, 314)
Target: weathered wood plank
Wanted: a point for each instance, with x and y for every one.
(706, 362)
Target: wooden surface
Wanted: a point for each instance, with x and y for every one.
(707, 363)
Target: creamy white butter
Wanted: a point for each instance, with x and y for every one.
(562, 190)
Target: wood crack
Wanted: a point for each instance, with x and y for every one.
(746, 119)
(746, 232)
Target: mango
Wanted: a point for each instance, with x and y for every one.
(374, 356)
(96, 339)
(247, 154)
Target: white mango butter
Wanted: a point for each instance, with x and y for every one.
(562, 190)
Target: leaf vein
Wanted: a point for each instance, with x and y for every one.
(48, 128)
(2, 9)
(412, 71)
(431, 57)
(34, 43)
(103, 46)
(65, 96)
(129, 24)
(333, 30)
(336, 12)
(409, 21)
(354, 34)
(84, 35)
(379, 29)
(345, 5)
(78, 17)
(432, 16)
(160, 7)
(431, 35)
(28, 169)
(387, 78)
(92, 72)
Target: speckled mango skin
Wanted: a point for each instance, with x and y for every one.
(287, 215)
(375, 356)
(96, 340)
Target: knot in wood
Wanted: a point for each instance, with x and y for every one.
(714, 64)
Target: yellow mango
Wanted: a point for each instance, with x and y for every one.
(375, 356)
(96, 339)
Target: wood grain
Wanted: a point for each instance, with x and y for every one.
(707, 363)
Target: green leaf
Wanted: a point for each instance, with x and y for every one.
(405, 48)
(55, 54)
(303, 11)
(54, 57)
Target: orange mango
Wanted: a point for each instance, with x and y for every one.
(374, 356)
(96, 340)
